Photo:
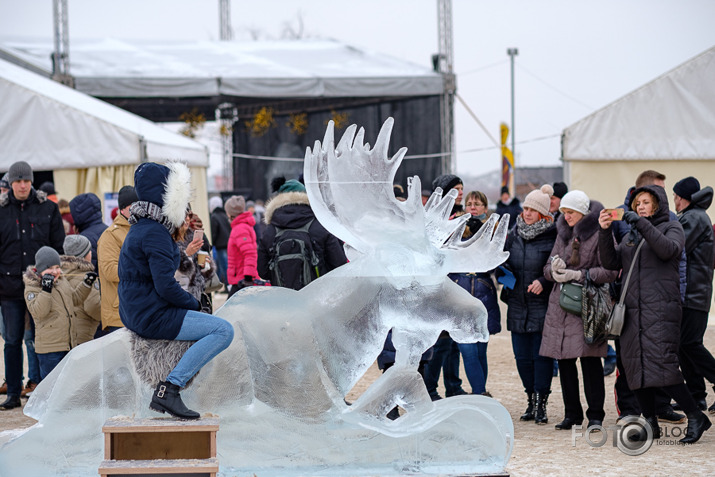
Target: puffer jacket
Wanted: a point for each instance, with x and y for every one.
(526, 311)
(25, 226)
(86, 211)
(88, 313)
(562, 337)
(651, 331)
(108, 248)
(54, 313)
(291, 210)
(151, 303)
(699, 250)
(242, 249)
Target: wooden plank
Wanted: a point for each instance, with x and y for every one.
(162, 445)
(118, 425)
(159, 466)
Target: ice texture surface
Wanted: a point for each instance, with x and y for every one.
(279, 388)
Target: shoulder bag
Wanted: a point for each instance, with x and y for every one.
(570, 298)
(614, 325)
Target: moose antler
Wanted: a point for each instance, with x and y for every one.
(350, 188)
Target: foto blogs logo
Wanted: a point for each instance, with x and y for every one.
(632, 435)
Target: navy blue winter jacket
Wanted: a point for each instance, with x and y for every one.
(151, 301)
(86, 210)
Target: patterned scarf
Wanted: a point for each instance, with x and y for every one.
(148, 210)
(528, 232)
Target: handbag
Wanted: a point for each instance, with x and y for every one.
(214, 284)
(597, 308)
(614, 325)
(570, 298)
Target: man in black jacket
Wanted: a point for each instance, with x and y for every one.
(691, 203)
(220, 232)
(28, 221)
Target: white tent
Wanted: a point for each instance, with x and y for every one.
(267, 69)
(667, 125)
(90, 145)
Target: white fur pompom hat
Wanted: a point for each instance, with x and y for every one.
(540, 199)
(576, 200)
(168, 186)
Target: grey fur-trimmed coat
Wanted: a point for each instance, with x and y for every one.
(562, 337)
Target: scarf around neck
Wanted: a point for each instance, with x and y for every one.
(149, 210)
(528, 232)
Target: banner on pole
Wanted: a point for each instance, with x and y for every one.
(507, 167)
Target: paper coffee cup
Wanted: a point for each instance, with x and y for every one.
(201, 258)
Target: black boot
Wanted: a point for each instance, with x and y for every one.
(529, 413)
(642, 435)
(711, 409)
(568, 423)
(166, 399)
(540, 416)
(10, 403)
(698, 423)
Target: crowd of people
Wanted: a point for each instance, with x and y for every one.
(68, 278)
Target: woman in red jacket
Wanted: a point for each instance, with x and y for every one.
(242, 246)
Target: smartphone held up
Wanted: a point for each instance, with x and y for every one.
(615, 214)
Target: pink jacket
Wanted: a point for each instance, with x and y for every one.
(242, 249)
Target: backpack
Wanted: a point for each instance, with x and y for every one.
(292, 259)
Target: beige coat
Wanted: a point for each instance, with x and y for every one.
(89, 312)
(108, 247)
(53, 313)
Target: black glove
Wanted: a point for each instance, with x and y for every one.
(247, 281)
(47, 282)
(631, 217)
(89, 278)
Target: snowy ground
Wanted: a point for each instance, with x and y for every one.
(542, 450)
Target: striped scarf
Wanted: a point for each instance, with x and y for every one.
(148, 210)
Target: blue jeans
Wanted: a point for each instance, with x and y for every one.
(446, 355)
(474, 356)
(48, 361)
(34, 373)
(535, 371)
(212, 335)
(221, 259)
(13, 315)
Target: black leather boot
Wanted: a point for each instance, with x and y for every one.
(698, 423)
(568, 423)
(10, 403)
(540, 416)
(529, 413)
(642, 435)
(166, 398)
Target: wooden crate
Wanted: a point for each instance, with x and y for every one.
(159, 446)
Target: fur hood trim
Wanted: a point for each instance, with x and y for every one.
(75, 263)
(31, 278)
(177, 193)
(286, 198)
(39, 195)
(585, 227)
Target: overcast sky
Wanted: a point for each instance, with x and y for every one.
(575, 56)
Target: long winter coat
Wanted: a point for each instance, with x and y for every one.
(291, 210)
(699, 250)
(88, 313)
(108, 248)
(526, 311)
(25, 226)
(54, 313)
(242, 249)
(86, 211)
(562, 337)
(651, 331)
(151, 303)
(220, 228)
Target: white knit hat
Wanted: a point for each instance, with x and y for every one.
(576, 200)
(540, 199)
